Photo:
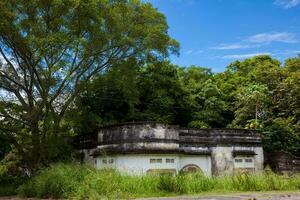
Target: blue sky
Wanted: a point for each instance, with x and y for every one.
(213, 33)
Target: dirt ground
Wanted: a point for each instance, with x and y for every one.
(237, 196)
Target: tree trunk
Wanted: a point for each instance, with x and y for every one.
(36, 145)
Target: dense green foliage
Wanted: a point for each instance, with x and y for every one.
(257, 93)
(82, 182)
(157, 92)
(50, 49)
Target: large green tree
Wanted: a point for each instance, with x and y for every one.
(128, 92)
(251, 105)
(263, 93)
(111, 97)
(49, 50)
(204, 100)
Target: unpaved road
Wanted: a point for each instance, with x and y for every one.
(237, 196)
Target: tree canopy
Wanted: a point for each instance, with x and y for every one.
(51, 49)
(239, 97)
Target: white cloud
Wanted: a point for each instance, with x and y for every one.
(284, 37)
(189, 52)
(286, 4)
(258, 40)
(242, 56)
(193, 52)
(233, 46)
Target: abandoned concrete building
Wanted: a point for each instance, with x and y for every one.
(139, 148)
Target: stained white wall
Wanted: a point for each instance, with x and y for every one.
(259, 159)
(223, 161)
(140, 164)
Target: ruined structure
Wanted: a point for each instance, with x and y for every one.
(140, 148)
(283, 162)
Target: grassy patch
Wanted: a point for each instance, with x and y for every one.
(82, 182)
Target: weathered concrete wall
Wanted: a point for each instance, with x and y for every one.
(214, 137)
(283, 162)
(139, 137)
(88, 159)
(140, 164)
(223, 159)
(213, 150)
(259, 159)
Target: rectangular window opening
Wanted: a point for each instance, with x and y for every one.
(170, 160)
(238, 160)
(155, 160)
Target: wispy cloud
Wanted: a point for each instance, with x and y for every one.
(284, 37)
(233, 46)
(189, 51)
(193, 52)
(286, 4)
(258, 40)
(242, 56)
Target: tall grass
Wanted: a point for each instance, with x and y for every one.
(82, 182)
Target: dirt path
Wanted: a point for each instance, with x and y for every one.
(238, 196)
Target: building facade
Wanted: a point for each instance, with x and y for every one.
(140, 148)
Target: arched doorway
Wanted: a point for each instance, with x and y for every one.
(191, 168)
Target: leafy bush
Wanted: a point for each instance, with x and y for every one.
(58, 181)
(9, 183)
(82, 182)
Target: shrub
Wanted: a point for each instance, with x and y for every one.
(58, 181)
(9, 182)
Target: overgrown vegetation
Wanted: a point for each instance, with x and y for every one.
(83, 182)
(9, 183)
(257, 93)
